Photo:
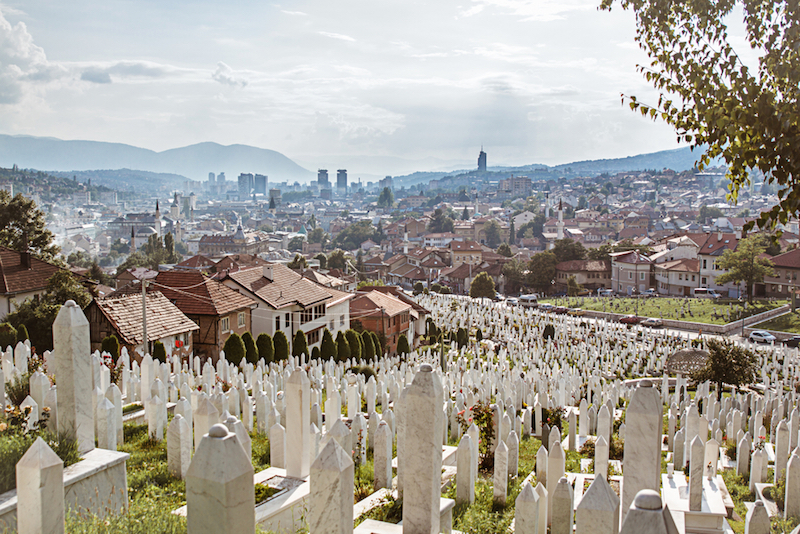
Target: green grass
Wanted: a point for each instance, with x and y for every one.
(789, 322)
(705, 311)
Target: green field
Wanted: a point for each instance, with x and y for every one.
(789, 322)
(678, 309)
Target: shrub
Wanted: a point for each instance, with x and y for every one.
(299, 344)
(234, 349)
(482, 417)
(281, 346)
(380, 343)
(402, 345)
(8, 336)
(549, 331)
(22, 333)
(478, 335)
(315, 353)
(436, 287)
(354, 342)
(418, 288)
(110, 344)
(159, 352)
(328, 347)
(342, 348)
(250, 349)
(730, 449)
(365, 370)
(266, 350)
(368, 346)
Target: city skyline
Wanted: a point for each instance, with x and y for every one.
(533, 82)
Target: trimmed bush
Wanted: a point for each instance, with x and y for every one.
(354, 342)
(250, 349)
(342, 347)
(22, 333)
(281, 346)
(369, 346)
(315, 353)
(402, 345)
(266, 350)
(234, 349)
(299, 344)
(8, 336)
(110, 345)
(328, 348)
(159, 352)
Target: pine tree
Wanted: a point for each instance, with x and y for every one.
(369, 346)
(402, 345)
(328, 348)
(354, 342)
(281, 346)
(159, 352)
(266, 350)
(22, 333)
(234, 349)
(110, 344)
(342, 347)
(299, 344)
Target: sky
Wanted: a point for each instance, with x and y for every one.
(536, 81)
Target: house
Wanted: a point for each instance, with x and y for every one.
(786, 271)
(384, 314)
(419, 314)
(122, 317)
(287, 301)
(677, 277)
(439, 240)
(712, 248)
(630, 272)
(591, 274)
(218, 310)
(466, 251)
(523, 218)
(21, 276)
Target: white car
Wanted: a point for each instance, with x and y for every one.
(512, 301)
(652, 322)
(761, 336)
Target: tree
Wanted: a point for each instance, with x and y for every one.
(482, 286)
(727, 363)
(234, 349)
(317, 235)
(402, 346)
(22, 334)
(601, 253)
(709, 212)
(315, 353)
(582, 202)
(566, 250)
(748, 117)
(328, 349)
(159, 352)
(62, 286)
(573, 287)
(380, 343)
(337, 260)
(354, 342)
(512, 233)
(323, 260)
(465, 214)
(386, 198)
(462, 337)
(351, 237)
(342, 347)
(296, 243)
(299, 262)
(110, 344)
(505, 250)
(542, 271)
(281, 345)
(250, 349)
(440, 222)
(80, 258)
(745, 264)
(8, 336)
(299, 344)
(23, 225)
(492, 229)
(368, 345)
(98, 275)
(266, 350)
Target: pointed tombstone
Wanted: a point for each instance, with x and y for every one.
(757, 519)
(382, 456)
(526, 511)
(743, 456)
(331, 492)
(475, 436)
(696, 466)
(155, 422)
(598, 511)
(40, 491)
(114, 395)
(792, 497)
(781, 449)
(711, 458)
(562, 508)
(555, 470)
(572, 443)
(465, 475)
(513, 453)
(298, 421)
(205, 417)
(106, 425)
(184, 408)
(219, 486)
(500, 479)
(237, 427)
(33, 417)
(262, 408)
(677, 453)
(422, 479)
(341, 434)
(642, 455)
(647, 515)
(541, 468)
(601, 458)
(277, 446)
(73, 371)
(604, 423)
(179, 446)
(759, 457)
(50, 401)
(541, 491)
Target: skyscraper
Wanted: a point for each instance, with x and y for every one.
(260, 184)
(245, 185)
(322, 178)
(221, 178)
(211, 177)
(341, 180)
(482, 161)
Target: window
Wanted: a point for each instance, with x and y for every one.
(630, 275)
(240, 321)
(341, 320)
(641, 276)
(277, 323)
(703, 281)
(332, 323)
(224, 324)
(692, 278)
(704, 264)
(313, 337)
(286, 321)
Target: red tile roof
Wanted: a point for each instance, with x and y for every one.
(789, 259)
(285, 288)
(164, 319)
(14, 278)
(377, 303)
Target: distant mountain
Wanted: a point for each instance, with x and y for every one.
(194, 161)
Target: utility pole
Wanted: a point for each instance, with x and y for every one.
(144, 318)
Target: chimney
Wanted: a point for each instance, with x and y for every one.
(25, 255)
(267, 269)
(719, 235)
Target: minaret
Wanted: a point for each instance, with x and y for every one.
(475, 214)
(133, 240)
(560, 225)
(546, 206)
(157, 222)
(405, 240)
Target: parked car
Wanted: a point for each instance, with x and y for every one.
(512, 301)
(605, 292)
(761, 336)
(653, 322)
(546, 307)
(577, 312)
(649, 293)
(528, 301)
(560, 309)
(631, 319)
(705, 293)
(498, 297)
(793, 341)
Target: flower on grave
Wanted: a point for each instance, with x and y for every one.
(3, 427)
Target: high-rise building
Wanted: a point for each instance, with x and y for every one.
(245, 185)
(221, 178)
(341, 180)
(260, 184)
(211, 177)
(322, 177)
(482, 161)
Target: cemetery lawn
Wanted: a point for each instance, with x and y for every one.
(705, 311)
(789, 322)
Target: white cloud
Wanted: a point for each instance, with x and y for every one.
(294, 13)
(20, 61)
(337, 36)
(227, 76)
